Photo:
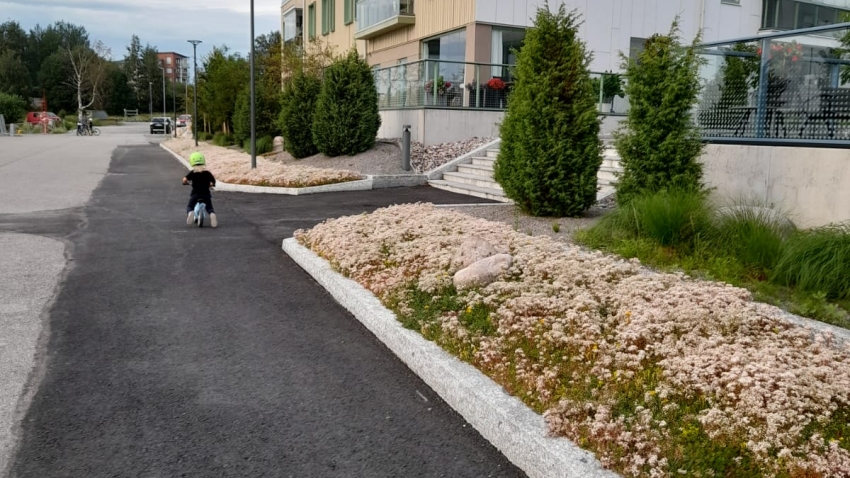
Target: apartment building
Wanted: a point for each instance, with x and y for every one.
(176, 66)
(466, 43)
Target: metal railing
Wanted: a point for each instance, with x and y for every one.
(457, 84)
(782, 88)
(373, 12)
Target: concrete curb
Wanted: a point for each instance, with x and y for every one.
(361, 185)
(517, 431)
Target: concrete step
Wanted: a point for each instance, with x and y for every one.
(613, 163)
(480, 169)
(493, 153)
(607, 175)
(483, 181)
(469, 190)
(483, 161)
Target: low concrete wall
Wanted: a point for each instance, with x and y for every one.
(812, 184)
(435, 126)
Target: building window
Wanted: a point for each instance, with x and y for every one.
(731, 2)
(504, 45)
(449, 47)
(349, 11)
(292, 25)
(792, 14)
(328, 21)
(169, 71)
(636, 47)
(168, 60)
(311, 21)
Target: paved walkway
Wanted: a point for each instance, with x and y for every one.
(177, 351)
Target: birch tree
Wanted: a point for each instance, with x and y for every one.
(88, 71)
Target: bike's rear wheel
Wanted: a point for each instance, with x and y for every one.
(96, 132)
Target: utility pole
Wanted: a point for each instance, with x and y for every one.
(195, 114)
(150, 98)
(164, 98)
(253, 125)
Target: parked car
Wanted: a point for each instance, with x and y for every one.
(161, 124)
(36, 117)
(182, 120)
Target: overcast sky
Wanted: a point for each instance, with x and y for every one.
(165, 24)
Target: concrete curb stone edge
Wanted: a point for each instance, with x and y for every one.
(513, 428)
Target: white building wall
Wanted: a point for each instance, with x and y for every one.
(609, 25)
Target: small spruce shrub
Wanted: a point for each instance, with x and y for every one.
(222, 139)
(346, 119)
(298, 105)
(659, 144)
(551, 152)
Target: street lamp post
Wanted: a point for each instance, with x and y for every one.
(253, 125)
(164, 98)
(195, 74)
(150, 98)
(174, 104)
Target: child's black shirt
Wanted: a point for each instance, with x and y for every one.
(201, 182)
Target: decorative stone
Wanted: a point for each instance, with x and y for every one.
(277, 144)
(473, 250)
(483, 272)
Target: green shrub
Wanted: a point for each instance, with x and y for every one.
(264, 145)
(60, 130)
(13, 108)
(266, 110)
(222, 139)
(659, 144)
(817, 260)
(298, 105)
(671, 217)
(551, 152)
(346, 119)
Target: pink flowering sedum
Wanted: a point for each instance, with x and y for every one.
(234, 167)
(658, 374)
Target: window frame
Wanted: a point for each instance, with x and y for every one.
(311, 21)
(349, 14)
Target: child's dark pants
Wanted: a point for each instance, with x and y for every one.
(193, 199)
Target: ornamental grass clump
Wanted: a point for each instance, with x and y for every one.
(817, 260)
(551, 152)
(656, 373)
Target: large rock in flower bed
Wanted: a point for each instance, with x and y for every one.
(483, 272)
(277, 145)
(473, 250)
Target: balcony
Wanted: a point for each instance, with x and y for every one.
(376, 17)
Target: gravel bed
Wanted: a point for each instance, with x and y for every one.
(536, 226)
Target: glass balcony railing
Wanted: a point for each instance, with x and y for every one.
(375, 17)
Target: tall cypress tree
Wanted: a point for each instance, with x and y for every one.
(551, 152)
(298, 105)
(659, 144)
(346, 120)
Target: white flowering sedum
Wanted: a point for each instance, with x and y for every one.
(626, 362)
(234, 167)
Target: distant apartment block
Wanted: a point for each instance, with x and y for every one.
(176, 66)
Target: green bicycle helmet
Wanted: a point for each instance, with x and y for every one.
(197, 159)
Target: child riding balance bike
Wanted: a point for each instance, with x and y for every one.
(202, 182)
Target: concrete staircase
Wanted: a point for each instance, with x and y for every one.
(474, 175)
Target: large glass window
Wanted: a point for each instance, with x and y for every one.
(449, 47)
(505, 43)
(292, 24)
(791, 14)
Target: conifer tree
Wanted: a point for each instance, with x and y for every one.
(346, 119)
(551, 152)
(659, 143)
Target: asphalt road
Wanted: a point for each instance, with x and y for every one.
(178, 351)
